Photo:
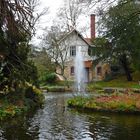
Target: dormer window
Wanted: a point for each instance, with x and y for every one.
(72, 50)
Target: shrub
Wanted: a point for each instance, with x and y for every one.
(33, 96)
(108, 77)
(50, 78)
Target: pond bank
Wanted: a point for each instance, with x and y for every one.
(111, 90)
(17, 103)
(57, 89)
(119, 103)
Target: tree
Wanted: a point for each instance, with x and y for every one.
(57, 48)
(70, 13)
(122, 30)
(43, 63)
(17, 22)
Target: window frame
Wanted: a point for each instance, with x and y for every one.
(72, 51)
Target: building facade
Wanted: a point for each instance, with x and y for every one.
(72, 42)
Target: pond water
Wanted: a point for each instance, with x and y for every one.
(57, 122)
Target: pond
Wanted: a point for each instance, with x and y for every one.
(57, 122)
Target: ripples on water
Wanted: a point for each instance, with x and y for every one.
(57, 122)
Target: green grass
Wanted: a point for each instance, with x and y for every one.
(58, 83)
(118, 82)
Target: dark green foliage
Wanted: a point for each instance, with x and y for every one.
(29, 93)
(116, 71)
(120, 37)
(102, 49)
(16, 26)
(15, 103)
(108, 77)
(50, 78)
(33, 96)
(15, 33)
(32, 73)
(17, 68)
(43, 63)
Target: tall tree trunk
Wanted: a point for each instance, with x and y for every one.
(125, 66)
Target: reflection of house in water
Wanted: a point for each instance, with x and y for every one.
(75, 40)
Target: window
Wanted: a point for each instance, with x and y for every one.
(72, 50)
(72, 70)
(89, 51)
(99, 70)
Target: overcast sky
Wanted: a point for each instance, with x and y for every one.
(54, 5)
(46, 20)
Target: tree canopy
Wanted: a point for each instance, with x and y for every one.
(16, 28)
(121, 33)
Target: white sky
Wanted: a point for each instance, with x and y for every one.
(54, 5)
(46, 20)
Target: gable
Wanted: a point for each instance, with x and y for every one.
(74, 38)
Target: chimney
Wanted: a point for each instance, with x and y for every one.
(92, 26)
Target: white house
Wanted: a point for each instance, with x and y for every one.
(70, 44)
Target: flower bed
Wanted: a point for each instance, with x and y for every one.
(129, 103)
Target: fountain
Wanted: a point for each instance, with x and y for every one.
(79, 71)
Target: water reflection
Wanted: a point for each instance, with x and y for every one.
(56, 122)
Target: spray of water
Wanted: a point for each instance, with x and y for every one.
(79, 71)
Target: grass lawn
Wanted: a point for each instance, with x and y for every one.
(120, 81)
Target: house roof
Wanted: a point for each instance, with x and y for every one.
(88, 40)
(79, 34)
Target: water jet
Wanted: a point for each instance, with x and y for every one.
(80, 72)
